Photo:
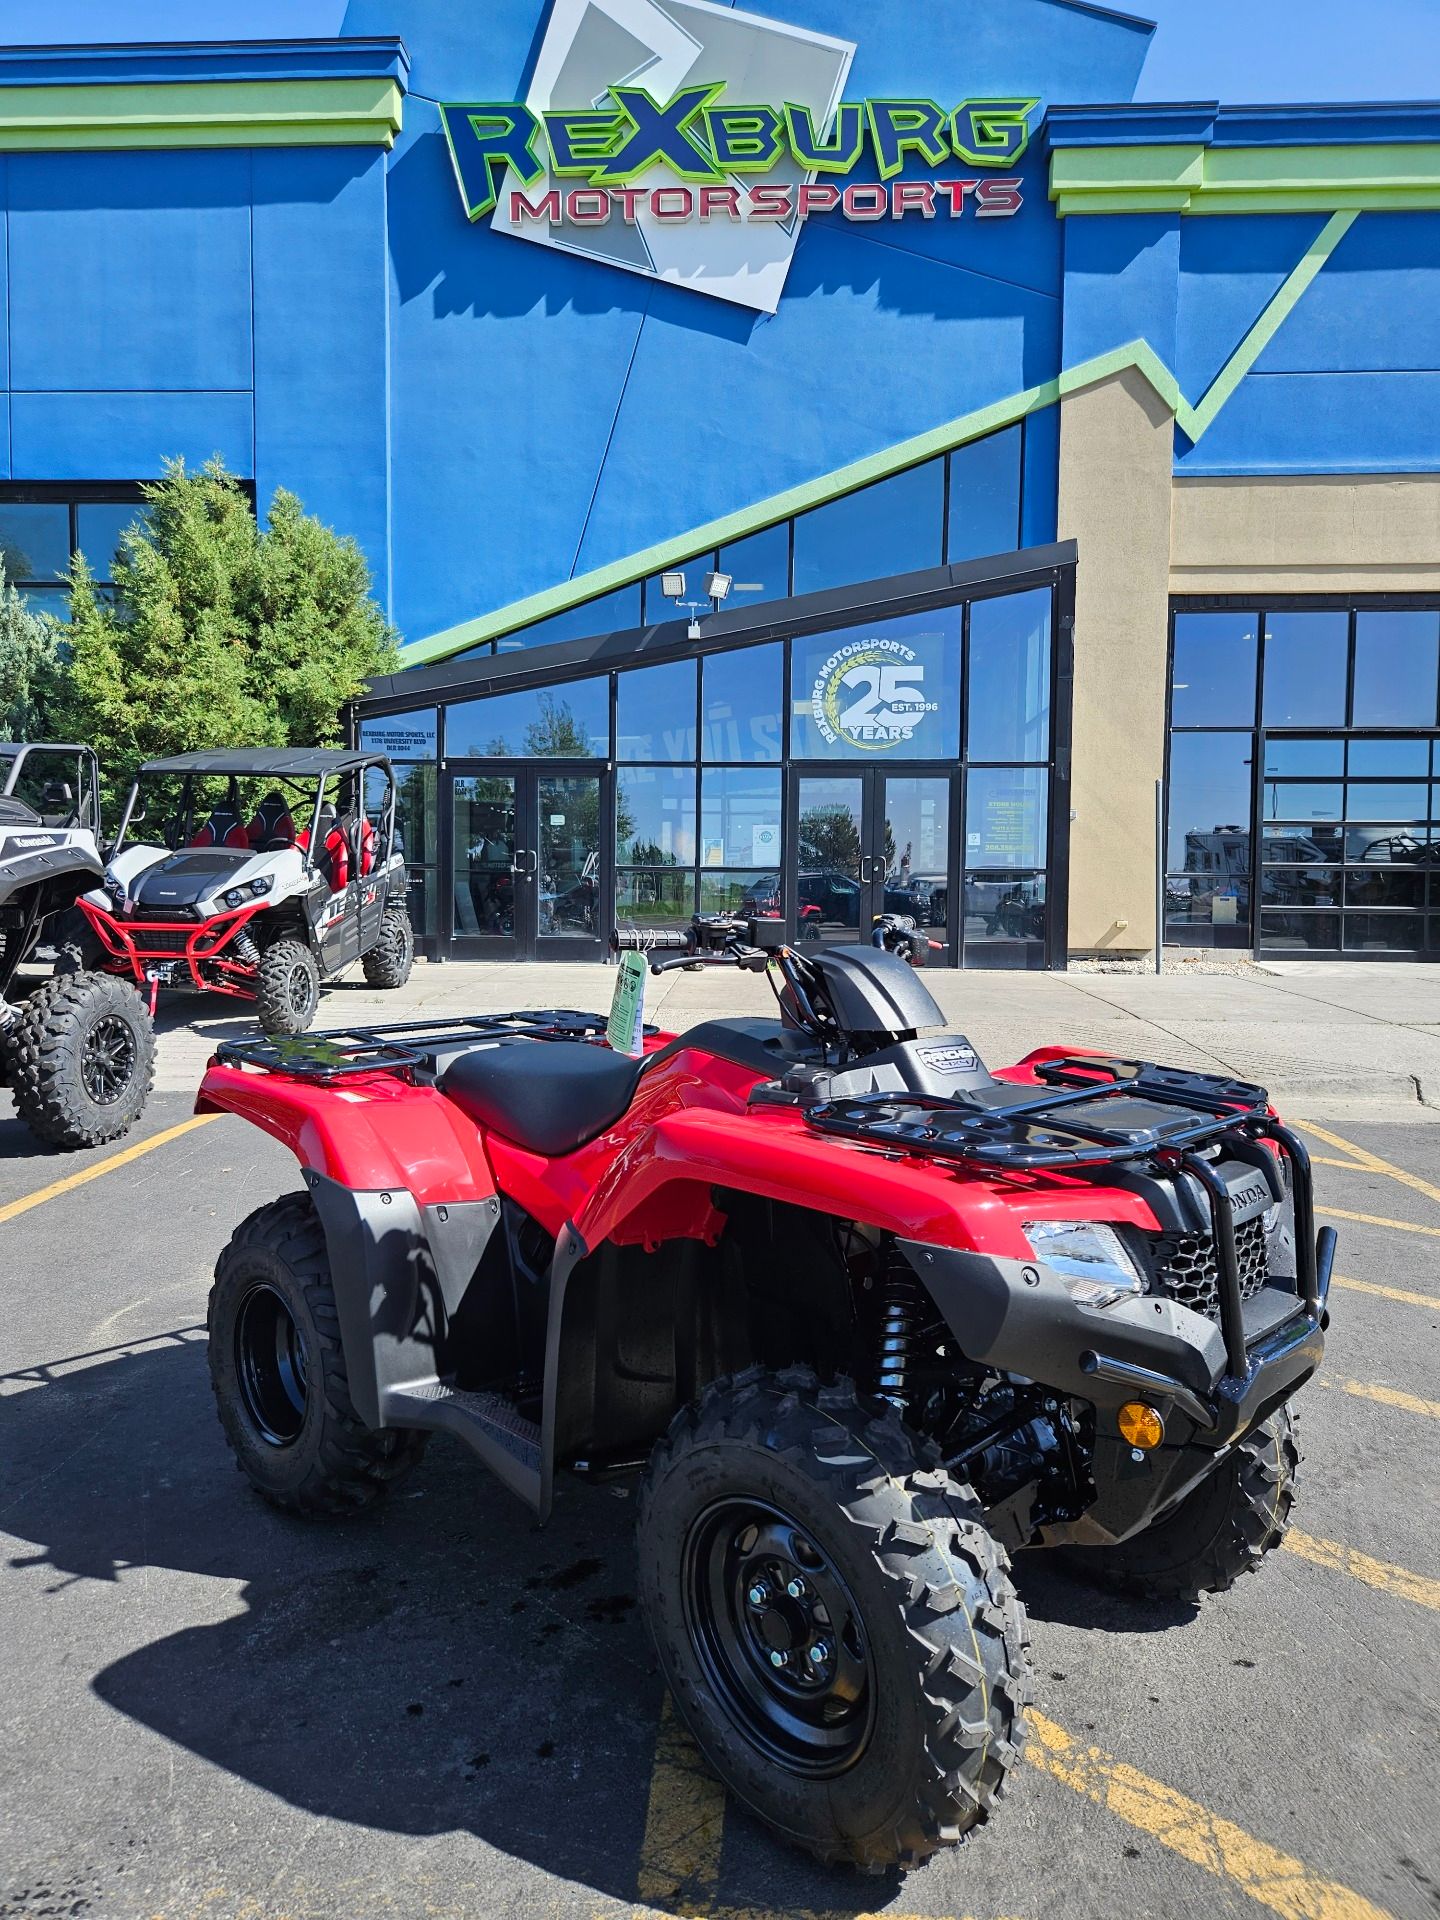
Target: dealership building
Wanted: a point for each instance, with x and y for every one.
(831, 461)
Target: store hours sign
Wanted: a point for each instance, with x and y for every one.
(689, 142)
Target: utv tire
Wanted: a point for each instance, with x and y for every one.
(287, 987)
(897, 1711)
(278, 1370)
(80, 1059)
(1221, 1529)
(389, 961)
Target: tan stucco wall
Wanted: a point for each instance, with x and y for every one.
(1116, 457)
(1348, 533)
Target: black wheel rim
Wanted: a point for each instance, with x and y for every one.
(779, 1636)
(299, 988)
(272, 1365)
(107, 1060)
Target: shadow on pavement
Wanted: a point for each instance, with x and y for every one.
(441, 1664)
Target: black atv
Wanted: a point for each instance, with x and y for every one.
(79, 1053)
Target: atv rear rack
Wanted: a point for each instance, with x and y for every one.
(400, 1046)
(1058, 1129)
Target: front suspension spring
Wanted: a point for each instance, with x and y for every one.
(901, 1317)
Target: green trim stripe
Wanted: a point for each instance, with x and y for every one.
(202, 113)
(1139, 354)
(1204, 179)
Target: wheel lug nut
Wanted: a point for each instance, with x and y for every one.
(777, 1659)
(795, 1588)
(758, 1594)
(819, 1653)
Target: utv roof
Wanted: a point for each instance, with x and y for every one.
(299, 763)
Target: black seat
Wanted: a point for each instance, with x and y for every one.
(549, 1096)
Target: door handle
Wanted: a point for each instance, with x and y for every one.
(525, 853)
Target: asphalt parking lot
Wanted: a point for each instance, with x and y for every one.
(210, 1711)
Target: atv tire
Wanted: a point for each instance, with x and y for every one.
(898, 1710)
(1221, 1529)
(287, 987)
(389, 961)
(80, 1059)
(278, 1370)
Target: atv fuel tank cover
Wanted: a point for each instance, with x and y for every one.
(872, 991)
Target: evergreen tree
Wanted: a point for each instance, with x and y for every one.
(29, 666)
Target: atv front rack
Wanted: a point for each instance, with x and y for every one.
(1063, 1126)
(399, 1046)
(1066, 1127)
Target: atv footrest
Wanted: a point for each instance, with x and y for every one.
(497, 1430)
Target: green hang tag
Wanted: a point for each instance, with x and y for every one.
(626, 1029)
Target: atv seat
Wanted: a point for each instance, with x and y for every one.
(222, 829)
(273, 826)
(549, 1096)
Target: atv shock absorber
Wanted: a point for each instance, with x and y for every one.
(901, 1316)
(244, 949)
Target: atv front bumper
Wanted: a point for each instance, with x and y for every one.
(1019, 1318)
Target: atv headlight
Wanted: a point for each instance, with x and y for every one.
(235, 897)
(262, 883)
(1088, 1257)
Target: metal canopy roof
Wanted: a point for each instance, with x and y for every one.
(296, 763)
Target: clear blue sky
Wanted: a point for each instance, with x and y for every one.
(1237, 50)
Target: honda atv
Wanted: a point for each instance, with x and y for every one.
(238, 898)
(865, 1317)
(78, 1054)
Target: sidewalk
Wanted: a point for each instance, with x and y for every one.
(1329, 1034)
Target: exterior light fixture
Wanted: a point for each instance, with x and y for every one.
(672, 585)
(717, 587)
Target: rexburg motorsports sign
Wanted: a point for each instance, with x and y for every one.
(688, 142)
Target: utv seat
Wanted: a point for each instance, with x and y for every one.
(273, 826)
(222, 829)
(548, 1096)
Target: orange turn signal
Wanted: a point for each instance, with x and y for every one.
(1140, 1426)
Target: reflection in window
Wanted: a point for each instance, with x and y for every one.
(35, 539)
(1207, 910)
(894, 687)
(654, 896)
(655, 816)
(1209, 828)
(1214, 673)
(1009, 681)
(1322, 758)
(893, 526)
(741, 703)
(1395, 669)
(655, 712)
(739, 817)
(1391, 759)
(570, 722)
(1374, 800)
(1299, 800)
(1305, 656)
(98, 527)
(985, 496)
(608, 613)
(750, 895)
(402, 736)
(1005, 810)
(1002, 923)
(759, 565)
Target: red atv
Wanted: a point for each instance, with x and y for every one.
(865, 1317)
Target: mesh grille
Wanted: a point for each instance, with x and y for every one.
(1187, 1269)
(150, 939)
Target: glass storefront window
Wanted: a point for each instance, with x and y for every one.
(1395, 669)
(1214, 670)
(985, 497)
(98, 527)
(35, 539)
(751, 895)
(1317, 758)
(655, 712)
(1390, 759)
(655, 816)
(1294, 800)
(740, 812)
(569, 722)
(654, 896)
(891, 690)
(1207, 910)
(1305, 658)
(607, 613)
(741, 701)
(1003, 920)
(1008, 686)
(1372, 800)
(402, 736)
(759, 565)
(893, 526)
(1209, 829)
(1005, 817)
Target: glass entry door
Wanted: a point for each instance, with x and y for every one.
(525, 861)
(868, 843)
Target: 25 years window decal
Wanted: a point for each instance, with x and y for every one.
(700, 165)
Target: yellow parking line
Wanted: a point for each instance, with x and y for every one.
(1379, 1220)
(14, 1208)
(1375, 1573)
(1276, 1880)
(1387, 1293)
(1386, 1396)
(1324, 1160)
(684, 1824)
(1371, 1162)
